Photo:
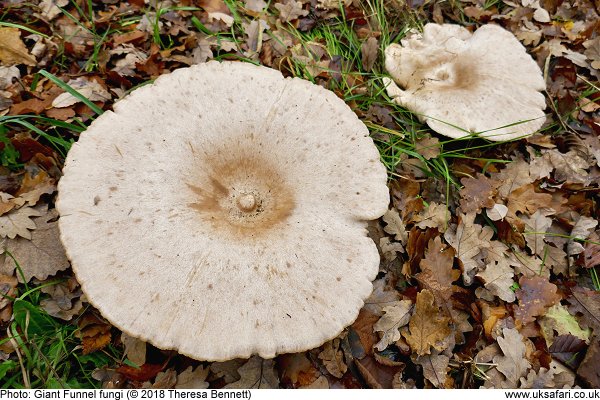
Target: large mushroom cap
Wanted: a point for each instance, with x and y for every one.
(221, 212)
(461, 83)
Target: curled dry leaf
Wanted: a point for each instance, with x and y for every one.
(395, 316)
(333, 358)
(257, 373)
(290, 10)
(41, 256)
(90, 89)
(427, 327)
(395, 226)
(94, 333)
(65, 299)
(535, 297)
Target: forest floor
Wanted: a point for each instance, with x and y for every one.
(519, 309)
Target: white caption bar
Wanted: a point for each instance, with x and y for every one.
(395, 394)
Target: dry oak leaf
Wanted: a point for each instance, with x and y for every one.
(558, 319)
(12, 48)
(477, 193)
(395, 316)
(65, 299)
(587, 303)
(193, 378)
(395, 226)
(390, 249)
(32, 188)
(94, 333)
(535, 296)
(369, 50)
(257, 373)
(436, 273)
(498, 279)
(290, 10)
(536, 227)
(569, 167)
(18, 223)
(383, 295)
(582, 229)
(591, 251)
(469, 239)
(435, 368)
(41, 256)
(527, 201)
(135, 349)
(90, 89)
(333, 358)
(428, 147)
(434, 216)
(428, 328)
(515, 175)
(556, 259)
(588, 369)
(513, 364)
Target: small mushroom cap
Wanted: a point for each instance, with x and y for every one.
(221, 212)
(461, 83)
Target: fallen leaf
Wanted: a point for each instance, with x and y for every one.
(436, 273)
(526, 200)
(382, 296)
(586, 302)
(135, 349)
(290, 10)
(498, 279)
(390, 249)
(369, 51)
(40, 256)
(558, 319)
(333, 358)
(514, 176)
(588, 369)
(535, 296)
(565, 347)
(428, 147)
(90, 89)
(18, 223)
(65, 299)
(12, 48)
(427, 327)
(536, 227)
(193, 378)
(512, 364)
(434, 216)
(395, 226)
(582, 229)
(469, 239)
(435, 368)
(257, 373)
(395, 316)
(477, 193)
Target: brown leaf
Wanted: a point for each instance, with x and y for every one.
(536, 227)
(193, 378)
(143, 373)
(513, 364)
(586, 302)
(564, 347)
(333, 358)
(427, 327)
(477, 193)
(527, 201)
(34, 187)
(18, 223)
(12, 48)
(434, 216)
(535, 296)
(395, 317)
(395, 226)
(428, 147)
(588, 370)
(591, 252)
(41, 256)
(256, 374)
(435, 369)
(369, 50)
(290, 10)
(469, 239)
(515, 175)
(65, 299)
(96, 342)
(135, 349)
(498, 279)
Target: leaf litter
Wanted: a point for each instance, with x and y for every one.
(487, 281)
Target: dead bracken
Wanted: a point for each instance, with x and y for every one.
(222, 210)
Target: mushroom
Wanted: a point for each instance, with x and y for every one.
(221, 212)
(463, 83)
